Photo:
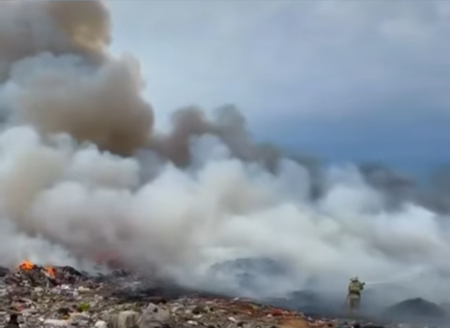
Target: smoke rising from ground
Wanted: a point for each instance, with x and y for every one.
(82, 172)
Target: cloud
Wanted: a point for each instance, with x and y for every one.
(362, 81)
(328, 56)
(328, 76)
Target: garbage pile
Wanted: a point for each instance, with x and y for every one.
(35, 275)
(41, 296)
(91, 303)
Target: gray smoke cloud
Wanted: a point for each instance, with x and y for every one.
(82, 171)
(58, 77)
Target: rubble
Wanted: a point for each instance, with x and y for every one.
(49, 297)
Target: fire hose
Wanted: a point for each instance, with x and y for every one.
(402, 277)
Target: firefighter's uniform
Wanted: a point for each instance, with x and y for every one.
(354, 293)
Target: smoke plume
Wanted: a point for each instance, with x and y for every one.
(82, 171)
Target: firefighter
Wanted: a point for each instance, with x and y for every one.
(354, 293)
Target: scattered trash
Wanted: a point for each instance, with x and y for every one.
(51, 296)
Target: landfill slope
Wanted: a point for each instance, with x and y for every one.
(66, 297)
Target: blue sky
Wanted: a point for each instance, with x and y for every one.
(345, 80)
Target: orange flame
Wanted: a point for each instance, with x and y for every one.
(51, 271)
(26, 265)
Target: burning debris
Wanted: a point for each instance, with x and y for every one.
(28, 273)
(55, 296)
(86, 301)
(27, 266)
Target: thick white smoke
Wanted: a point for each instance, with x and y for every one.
(82, 172)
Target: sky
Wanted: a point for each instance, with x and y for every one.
(343, 80)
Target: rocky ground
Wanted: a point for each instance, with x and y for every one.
(65, 297)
